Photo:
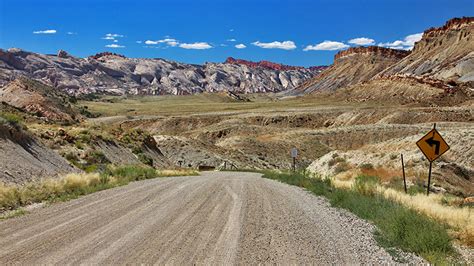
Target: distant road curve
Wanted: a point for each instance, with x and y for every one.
(215, 218)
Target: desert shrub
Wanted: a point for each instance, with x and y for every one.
(79, 145)
(335, 160)
(416, 188)
(96, 157)
(366, 185)
(143, 158)
(341, 167)
(133, 172)
(12, 120)
(366, 166)
(84, 110)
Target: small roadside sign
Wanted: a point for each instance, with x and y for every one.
(294, 153)
(432, 145)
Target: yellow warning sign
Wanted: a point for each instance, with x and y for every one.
(432, 145)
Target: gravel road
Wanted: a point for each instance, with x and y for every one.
(215, 218)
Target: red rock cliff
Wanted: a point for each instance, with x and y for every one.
(385, 52)
(269, 65)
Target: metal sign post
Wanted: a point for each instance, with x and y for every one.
(433, 146)
(404, 179)
(294, 154)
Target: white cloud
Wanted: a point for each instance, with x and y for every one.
(115, 41)
(151, 42)
(113, 35)
(286, 45)
(196, 45)
(231, 40)
(168, 41)
(114, 46)
(407, 43)
(108, 38)
(138, 41)
(240, 46)
(326, 46)
(172, 43)
(44, 32)
(71, 33)
(362, 41)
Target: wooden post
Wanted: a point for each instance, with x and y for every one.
(225, 165)
(404, 179)
(294, 164)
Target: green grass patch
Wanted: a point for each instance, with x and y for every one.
(397, 226)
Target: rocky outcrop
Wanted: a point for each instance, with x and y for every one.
(269, 65)
(372, 50)
(445, 53)
(111, 73)
(24, 158)
(350, 67)
(454, 23)
(38, 100)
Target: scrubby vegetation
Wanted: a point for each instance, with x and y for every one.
(74, 185)
(397, 226)
(11, 119)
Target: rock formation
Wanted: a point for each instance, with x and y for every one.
(445, 53)
(112, 73)
(351, 66)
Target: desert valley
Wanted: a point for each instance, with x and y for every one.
(62, 114)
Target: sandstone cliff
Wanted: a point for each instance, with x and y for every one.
(445, 53)
(350, 67)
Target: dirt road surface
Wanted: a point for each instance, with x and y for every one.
(215, 218)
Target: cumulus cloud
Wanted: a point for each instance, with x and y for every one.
(326, 46)
(45, 32)
(113, 45)
(286, 45)
(362, 41)
(240, 46)
(113, 35)
(231, 40)
(195, 46)
(406, 44)
(168, 41)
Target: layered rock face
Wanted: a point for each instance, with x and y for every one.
(39, 100)
(354, 65)
(270, 65)
(445, 53)
(115, 74)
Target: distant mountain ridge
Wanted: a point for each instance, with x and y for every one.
(270, 65)
(112, 73)
(443, 61)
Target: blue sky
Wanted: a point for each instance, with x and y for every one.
(298, 32)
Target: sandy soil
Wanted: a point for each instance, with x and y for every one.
(215, 218)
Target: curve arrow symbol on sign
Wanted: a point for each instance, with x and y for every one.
(432, 142)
